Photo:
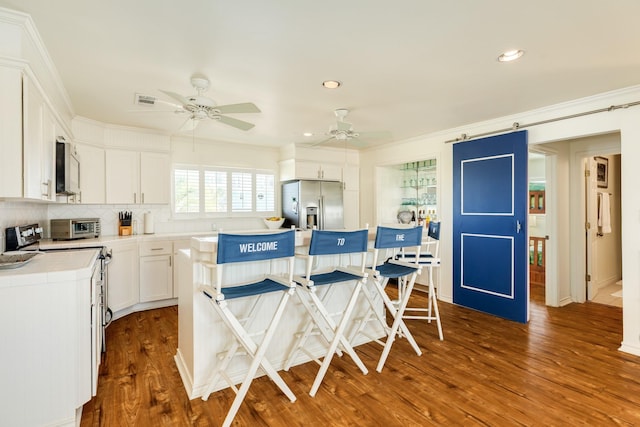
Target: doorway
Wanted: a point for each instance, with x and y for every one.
(603, 238)
(565, 208)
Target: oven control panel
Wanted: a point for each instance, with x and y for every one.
(21, 236)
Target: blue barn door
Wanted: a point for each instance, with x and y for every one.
(490, 194)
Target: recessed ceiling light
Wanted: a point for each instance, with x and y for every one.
(307, 134)
(331, 84)
(511, 55)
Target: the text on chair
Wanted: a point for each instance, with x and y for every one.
(258, 247)
(399, 237)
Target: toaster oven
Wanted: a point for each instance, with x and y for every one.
(70, 229)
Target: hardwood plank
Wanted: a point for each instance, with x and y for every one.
(563, 368)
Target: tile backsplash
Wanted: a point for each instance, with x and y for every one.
(20, 213)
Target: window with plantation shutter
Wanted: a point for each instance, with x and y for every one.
(207, 191)
(186, 184)
(241, 192)
(265, 192)
(215, 191)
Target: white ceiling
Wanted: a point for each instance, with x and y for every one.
(407, 67)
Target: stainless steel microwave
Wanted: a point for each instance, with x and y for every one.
(67, 168)
(70, 229)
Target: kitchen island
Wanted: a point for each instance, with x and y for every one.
(49, 348)
(202, 335)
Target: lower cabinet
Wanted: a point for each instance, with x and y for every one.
(156, 270)
(123, 275)
(142, 271)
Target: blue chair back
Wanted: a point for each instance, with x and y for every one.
(434, 230)
(390, 238)
(255, 247)
(325, 242)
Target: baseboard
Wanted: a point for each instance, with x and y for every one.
(144, 306)
(187, 381)
(631, 349)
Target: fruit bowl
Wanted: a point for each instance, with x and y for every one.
(404, 217)
(273, 222)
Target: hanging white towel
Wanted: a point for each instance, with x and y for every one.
(604, 213)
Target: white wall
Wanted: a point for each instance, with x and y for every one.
(625, 121)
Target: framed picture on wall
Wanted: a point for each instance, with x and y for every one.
(602, 172)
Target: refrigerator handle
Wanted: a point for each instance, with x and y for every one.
(321, 216)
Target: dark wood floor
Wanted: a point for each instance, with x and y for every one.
(563, 368)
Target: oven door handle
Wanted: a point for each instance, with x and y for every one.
(108, 257)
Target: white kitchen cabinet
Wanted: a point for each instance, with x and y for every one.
(351, 178)
(154, 177)
(133, 177)
(49, 137)
(302, 169)
(156, 270)
(121, 175)
(47, 361)
(351, 196)
(92, 174)
(10, 132)
(39, 137)
(351, 206)
(124, 282)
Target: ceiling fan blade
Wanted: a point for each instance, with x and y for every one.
(181, 99)
(239, 124)
(189, 124)
(247, 107)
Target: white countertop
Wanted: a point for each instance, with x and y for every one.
(50, 267)
(46, 244)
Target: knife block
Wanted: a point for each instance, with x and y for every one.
(124, 230)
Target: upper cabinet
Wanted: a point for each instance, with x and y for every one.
(10, 132)
(302, 169)
(92, 174)
(136, 177)
(28, 131)
(39, 138)
(155, 173)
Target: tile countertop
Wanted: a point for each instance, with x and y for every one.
(206, 237)
(46, 244)
(51, 267)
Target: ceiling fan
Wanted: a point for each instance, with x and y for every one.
(199, 108)
(343, 132)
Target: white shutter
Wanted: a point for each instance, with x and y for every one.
(265, 193)
(186, 185)
(241, 193)
(215, 191)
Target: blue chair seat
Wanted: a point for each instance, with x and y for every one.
(251, 289)
(394, 271)
(333, 277)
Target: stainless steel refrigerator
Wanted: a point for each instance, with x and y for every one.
(307, 203)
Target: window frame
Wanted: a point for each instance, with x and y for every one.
(229, 213)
